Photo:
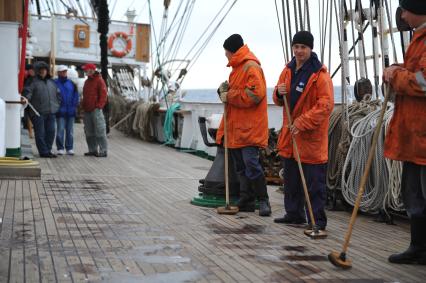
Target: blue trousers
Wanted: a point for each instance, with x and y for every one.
(65, 125)
(294, 198)
(44, 131)
(246, 161)
(413, 186)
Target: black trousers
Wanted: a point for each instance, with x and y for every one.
(413, 186)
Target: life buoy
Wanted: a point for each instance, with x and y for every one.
(125, 37)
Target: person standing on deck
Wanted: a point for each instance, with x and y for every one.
(308, 89)
(406, 136)
(247, 122)
(43, 94)
(67, 111)
(94, 99)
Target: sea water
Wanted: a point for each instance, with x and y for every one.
(210, 95)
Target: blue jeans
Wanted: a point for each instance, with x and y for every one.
(44, 131)
(294, 198)
(65, 124)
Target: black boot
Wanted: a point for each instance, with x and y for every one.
(416, 252)
(246, 203)
(259, 186)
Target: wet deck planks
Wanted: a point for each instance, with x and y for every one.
(127, 218)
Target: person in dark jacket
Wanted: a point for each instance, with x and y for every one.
(67, 111)
(94, 99)
(43, 94)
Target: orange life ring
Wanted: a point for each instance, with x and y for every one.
(113, 37)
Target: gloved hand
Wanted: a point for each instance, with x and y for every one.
(223, 96)
(224, 87)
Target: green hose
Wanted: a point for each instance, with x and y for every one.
(168, 124)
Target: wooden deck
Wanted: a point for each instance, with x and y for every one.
(127, 218)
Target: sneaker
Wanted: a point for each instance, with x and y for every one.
(70, 152)
(90, 153)
(61, 152)
(52, 155)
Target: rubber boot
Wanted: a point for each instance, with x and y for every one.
(416, 252)
(246, 203)
(259, 186)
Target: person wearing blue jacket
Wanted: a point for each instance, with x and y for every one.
(65, 117)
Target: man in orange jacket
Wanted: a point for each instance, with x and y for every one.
(406, 135)
(308, 89)
(247, 122)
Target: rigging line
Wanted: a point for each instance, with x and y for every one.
(179, 31)
(204, 33)
(308, 18)
(353, 38)
(361, 20)
(295, 15)
(81, 8)
(302, 27)
(178, 38)
(281, 34)
(290, 34)
(211, 36)
(48, 8)
(325, 31)
(38, 9)
(375, 45)
(389, 17)
(350, 50)
(208, 27)
(183, 31)
(155, 39)
(287, 53)
(331, 34)
(172, 26)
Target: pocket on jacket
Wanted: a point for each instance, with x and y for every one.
(243, 133)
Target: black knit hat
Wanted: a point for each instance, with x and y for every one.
(417, 7)
(233, 43)
(303, 37)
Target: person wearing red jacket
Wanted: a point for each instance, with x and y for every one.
(247, 122)
(406, 135)
(308, 89)
(94, 99)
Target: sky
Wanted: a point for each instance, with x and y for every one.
(256, 21)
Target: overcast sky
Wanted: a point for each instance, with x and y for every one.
(255, 20)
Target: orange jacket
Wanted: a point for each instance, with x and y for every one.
(246, 107)
(406, 134)
(310, 115)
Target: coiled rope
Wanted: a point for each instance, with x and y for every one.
(377, 184)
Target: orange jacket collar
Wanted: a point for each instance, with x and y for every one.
(243, 54)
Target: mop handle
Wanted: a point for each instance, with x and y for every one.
(366, 170)
(225, 145)
(299, 163)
